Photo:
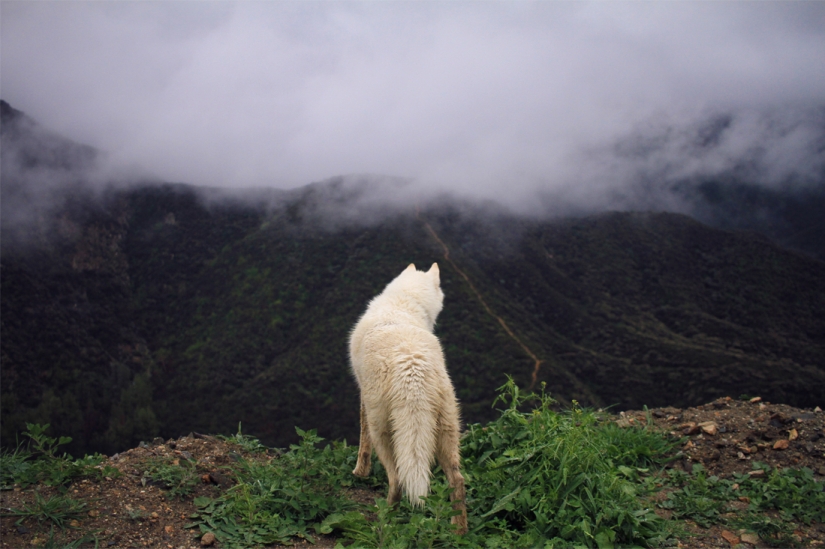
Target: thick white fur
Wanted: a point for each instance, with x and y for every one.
(409, 412)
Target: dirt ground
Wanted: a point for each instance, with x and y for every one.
(726, 436)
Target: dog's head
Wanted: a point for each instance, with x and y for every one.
(423, 287)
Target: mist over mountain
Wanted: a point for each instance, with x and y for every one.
(138, 308)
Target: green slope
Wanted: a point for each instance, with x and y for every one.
(202, 316)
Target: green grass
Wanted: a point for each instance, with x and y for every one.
(58, 509)
(39, 462)
(534, 478)
(282, 498)
(179, 477)
(775, 501)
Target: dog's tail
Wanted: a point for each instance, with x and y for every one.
(414, 416)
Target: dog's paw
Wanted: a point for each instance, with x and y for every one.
(362, 472)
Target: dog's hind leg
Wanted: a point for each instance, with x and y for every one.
(450, 460)
(364, 463)
(382, 440)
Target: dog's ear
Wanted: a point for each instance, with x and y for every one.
(435, 274)
(410, 267)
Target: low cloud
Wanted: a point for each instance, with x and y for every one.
(576, 102)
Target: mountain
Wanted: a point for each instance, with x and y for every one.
(129, 312)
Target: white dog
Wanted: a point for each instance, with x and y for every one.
(409, 412)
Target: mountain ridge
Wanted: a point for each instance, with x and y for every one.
(163, 309)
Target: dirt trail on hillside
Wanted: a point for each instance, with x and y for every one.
(537, 362)
(501, 321)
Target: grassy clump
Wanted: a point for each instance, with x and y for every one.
(179, 477)
(275, 501)
(549, 479)
(58, 509)
(39, 462)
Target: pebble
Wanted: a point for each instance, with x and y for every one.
(730, 537)
(780, 445)
(207, 539)
(753, 539)
(689, 428)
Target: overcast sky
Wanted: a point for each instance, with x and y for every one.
(495, 99)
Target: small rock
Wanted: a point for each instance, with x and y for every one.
(23, 530)
(709, 427)
(793, 434)
(730, 537)
(757, 473)
(207, 539)
(782, 418)
(754, 400)
(94, 513)
(753, 539)
(154, 515)
(74, 524)
(689, 428)
(780, 445)
(624, 423)
(219, 479)
(817, 410)
(821, 471)
(169, 529)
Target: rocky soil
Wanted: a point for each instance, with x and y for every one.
(726, 436)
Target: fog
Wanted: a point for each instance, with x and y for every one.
(575, 103)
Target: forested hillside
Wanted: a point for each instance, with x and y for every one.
(160, 309)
